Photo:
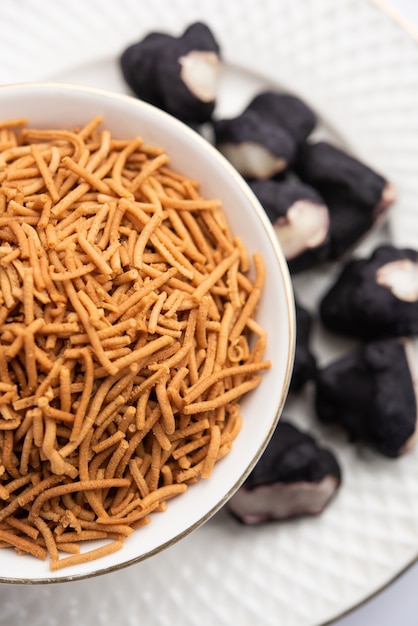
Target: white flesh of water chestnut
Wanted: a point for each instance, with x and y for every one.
(305, 226)
(401, 277)
(200, 72)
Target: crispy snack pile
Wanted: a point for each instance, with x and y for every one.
(126, 311)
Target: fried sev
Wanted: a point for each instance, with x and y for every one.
(127, 337)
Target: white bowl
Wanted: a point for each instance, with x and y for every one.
(66, 106)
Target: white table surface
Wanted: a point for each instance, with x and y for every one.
(397, 605)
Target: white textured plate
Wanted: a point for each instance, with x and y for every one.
(358, 69)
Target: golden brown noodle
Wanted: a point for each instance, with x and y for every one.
(126, 316)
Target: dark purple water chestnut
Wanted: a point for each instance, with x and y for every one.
(356, 195)
(257, 147)
(177, 74)
(349, 223)
(375, 297)
(285, 110)
(304, 368)
(330, 169)
(294, 477)
(138, 64)
(371, 393)
(300, 218)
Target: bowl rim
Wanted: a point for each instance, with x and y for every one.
(79, 89)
